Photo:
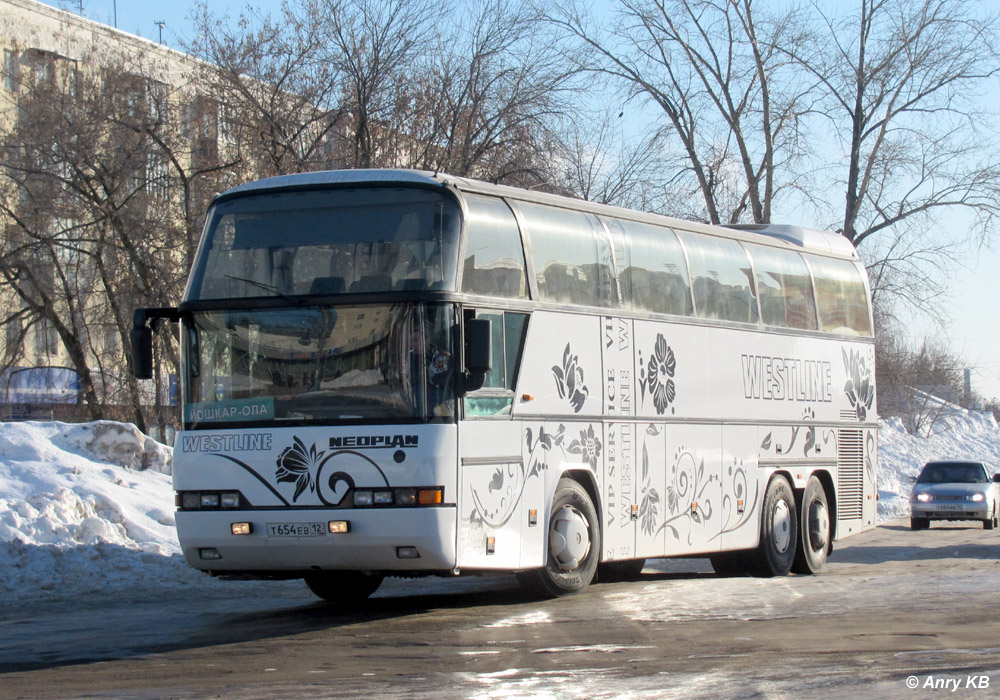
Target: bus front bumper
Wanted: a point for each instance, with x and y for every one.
(379, 539)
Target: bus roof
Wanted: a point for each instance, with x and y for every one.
(781, 235)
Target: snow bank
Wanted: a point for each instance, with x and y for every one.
(83, 508)
(90, 508)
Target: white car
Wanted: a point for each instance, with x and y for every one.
(955, 489)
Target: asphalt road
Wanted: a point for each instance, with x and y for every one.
(893, 609)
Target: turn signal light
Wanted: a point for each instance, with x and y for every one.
(430, 497)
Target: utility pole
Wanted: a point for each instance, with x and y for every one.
(159, 23)
(968, 388)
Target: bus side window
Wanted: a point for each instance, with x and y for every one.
(571, 255)
(840, 296)
(494, 258)
(722, 282)
(652, 269)
(784, 288)
(496, 396)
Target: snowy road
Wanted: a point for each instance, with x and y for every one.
(894, 608)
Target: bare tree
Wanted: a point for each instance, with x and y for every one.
(273, 100)
(378, 48)
(492, 98)
(90, 232)
(601, 164)
(901, 83)
(731, 101)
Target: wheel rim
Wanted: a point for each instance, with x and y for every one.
(569, 538)
(781, 526)
(819, 525)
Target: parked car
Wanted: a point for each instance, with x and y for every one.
(954, 489)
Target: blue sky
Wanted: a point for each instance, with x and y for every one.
(975, 292)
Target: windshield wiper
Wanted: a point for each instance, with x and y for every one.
(294, 301)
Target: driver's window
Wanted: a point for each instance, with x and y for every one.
(496, 396)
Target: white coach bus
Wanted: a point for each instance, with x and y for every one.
(405, 373)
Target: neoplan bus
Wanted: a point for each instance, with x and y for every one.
(405, 373)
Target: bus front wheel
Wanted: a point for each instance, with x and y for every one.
(574, 545)
(778, 530)
(343, 586)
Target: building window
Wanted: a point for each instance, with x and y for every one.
(157, 173)
(10, 70)
(46, 338)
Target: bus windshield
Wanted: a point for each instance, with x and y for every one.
(380, 362)
(322, 242)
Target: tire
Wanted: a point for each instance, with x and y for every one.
(574, 538)
(991, 522)
(617, 571)
(814, 529)
(919, 523)
(779, 529)
(343, 586)
(732, 564)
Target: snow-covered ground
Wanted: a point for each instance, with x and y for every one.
(90, 508)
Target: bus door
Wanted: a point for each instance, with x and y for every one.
(495, 500)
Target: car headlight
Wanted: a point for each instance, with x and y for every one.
(977, 497)
(922, 497)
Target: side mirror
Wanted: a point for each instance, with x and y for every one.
(141, 338)
(478, 352)
(996, 478)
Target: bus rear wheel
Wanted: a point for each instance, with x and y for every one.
(574, 545)
(778, 530)
(343, 586)
(814, 529)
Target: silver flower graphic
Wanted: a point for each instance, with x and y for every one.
(569, 380)
(659, 374)
(860, 388)
(588, 446)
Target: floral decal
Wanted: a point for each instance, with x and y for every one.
(657, 376)
(569, 380)
(588, 446)
(686, 499)
(295, 464)
(649, 504)
(546, 441)
(860, 388)
(734, 513)
(304, 467)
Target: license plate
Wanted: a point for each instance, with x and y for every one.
(950, 507)
(296, 529)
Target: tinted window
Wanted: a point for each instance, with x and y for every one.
(571, 255)
(653, 274)
(494, 259)
(784, 288)
(328, 242)
(953, 473)
(497, 394)
(840, 296)
(721, 279)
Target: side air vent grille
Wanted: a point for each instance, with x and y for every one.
(850, 474)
